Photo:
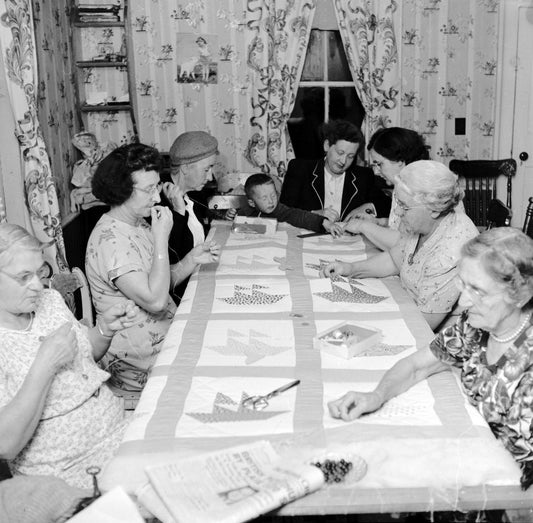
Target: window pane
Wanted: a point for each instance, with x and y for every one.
(314, 60)
(344, 103)
(305, 121)
(338, 69)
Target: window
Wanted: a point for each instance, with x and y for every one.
(326, 92)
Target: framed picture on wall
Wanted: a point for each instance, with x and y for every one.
(195, 55)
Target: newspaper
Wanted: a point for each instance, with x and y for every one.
(232, 485)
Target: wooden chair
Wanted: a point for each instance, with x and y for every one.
(68, 283)
(480, 184)
(498, 214)
(528, 222)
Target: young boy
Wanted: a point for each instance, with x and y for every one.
(263, 198)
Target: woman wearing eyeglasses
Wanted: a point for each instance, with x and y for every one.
(57, 416)
(127, 258)
(491, 344)
(390, 150)
(432, 233)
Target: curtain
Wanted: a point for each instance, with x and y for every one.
(368, 32)
(19, 62)
(278, 33)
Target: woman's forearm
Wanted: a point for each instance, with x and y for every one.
(407, 372)
(378, 266)
(159, 276)
(382, 237)
(182, 270)
(100, 340)
(20, 417)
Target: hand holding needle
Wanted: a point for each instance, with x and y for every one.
(261, 402)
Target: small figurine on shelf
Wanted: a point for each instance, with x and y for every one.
(82, 172)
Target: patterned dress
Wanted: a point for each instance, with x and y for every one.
(82, 421)
(429, 275)
(114, 249)
(501, 392)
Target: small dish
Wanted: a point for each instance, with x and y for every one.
(340, 468)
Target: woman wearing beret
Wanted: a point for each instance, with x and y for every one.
(192, 157)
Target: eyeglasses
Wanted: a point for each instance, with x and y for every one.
(405, 208)
(474, 292)
(26, 278)
(152, 189)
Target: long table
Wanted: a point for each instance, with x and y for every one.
(246, 326)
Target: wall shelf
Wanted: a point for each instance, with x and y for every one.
(99, 24)
(86, 108)
(102, 63)
(98, 40)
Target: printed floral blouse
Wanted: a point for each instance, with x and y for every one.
(116, 248)
(503, 391)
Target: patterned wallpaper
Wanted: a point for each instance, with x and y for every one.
(448, 58)
(190, 72)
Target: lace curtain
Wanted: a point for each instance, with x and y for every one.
(367, 29)
(277, 32)
(19, 62)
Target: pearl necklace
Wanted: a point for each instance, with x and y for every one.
(515, 333)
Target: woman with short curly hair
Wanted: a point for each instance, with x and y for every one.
(127, 258)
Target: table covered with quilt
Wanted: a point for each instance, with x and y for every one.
(246, 326)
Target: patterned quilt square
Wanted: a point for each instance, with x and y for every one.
(252, 296)
(361, 295)
(214, 408)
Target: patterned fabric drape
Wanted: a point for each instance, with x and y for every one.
(278, 32)
(18, 59)
(367, 29)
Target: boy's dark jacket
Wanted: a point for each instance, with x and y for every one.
(296, 217)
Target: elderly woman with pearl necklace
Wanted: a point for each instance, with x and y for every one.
(491, 343)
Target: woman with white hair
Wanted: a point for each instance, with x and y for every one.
(432, 234)
(57, 414)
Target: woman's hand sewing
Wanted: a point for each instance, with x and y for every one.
(207, 252)
(119, 316)
(58, 348)
(336, 269)
(354, 404)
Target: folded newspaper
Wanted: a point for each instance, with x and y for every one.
(232, 485)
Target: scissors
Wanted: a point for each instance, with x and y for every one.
(261, 402)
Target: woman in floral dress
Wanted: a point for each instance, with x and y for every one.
(492, 344)
(57, 415)
(127, 259)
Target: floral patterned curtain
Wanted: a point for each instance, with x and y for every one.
(368, 31)
(18, 59)
(278, 32)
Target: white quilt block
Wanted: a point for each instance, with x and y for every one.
(396, 343)
(248, 343)
(252, 296)
(344, 244)
(246, 240)
(313, 264)
(413, 407)
(351, 296)
(213, 408)
(257, 260)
